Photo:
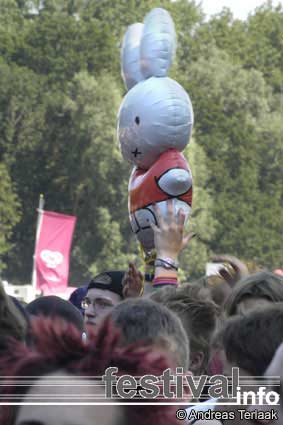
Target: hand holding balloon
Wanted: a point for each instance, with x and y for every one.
(169, 235)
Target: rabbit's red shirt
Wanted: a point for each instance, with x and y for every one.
(144, 189)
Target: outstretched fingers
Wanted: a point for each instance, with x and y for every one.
(181, 218)
(170, 209)
(187, 238)
(159, 218)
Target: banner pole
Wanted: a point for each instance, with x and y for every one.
(38, 225)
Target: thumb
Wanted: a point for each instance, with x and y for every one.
(188, 238)
(154, 227)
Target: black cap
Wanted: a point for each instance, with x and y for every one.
(110, 281)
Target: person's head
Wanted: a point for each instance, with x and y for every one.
(104, 292)
(258, 289)
(56, 308)
(145, 321)
(12, 322)
(198, 314)
(275, 368)
(250, 341)
(217, 286)
(68, 390)
(59, 355)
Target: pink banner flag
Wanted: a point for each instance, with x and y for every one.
(52, 251)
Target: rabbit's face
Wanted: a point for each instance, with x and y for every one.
(155, 115)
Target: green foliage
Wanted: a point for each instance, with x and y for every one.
(202, 223)
(92, 172)
(232, 106)
(59, 45)
(111, 255)
(9, 212)
(256, 43)
(265, 43)
(22, 122)
(11, 24)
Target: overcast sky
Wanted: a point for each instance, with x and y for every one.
(240, 8)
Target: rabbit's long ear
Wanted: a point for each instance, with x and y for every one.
(130, 56)
(158, 44)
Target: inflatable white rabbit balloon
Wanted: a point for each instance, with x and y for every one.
(154, 124)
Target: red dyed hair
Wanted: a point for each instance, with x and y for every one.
(59, 346)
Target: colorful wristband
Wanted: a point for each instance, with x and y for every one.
(164, 280)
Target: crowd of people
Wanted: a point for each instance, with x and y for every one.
(125, 330)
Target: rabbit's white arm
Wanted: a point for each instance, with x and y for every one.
(175, 182)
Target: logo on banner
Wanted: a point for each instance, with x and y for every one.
(52, 259)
